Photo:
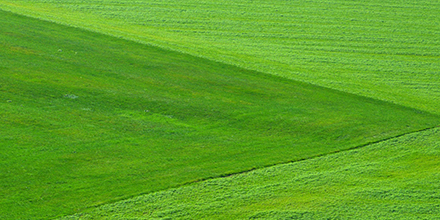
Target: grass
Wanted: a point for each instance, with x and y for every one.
(87, 119)
(395, 179)
(386, 50)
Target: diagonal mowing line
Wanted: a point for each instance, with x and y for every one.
(263, 167)
(40, 16)
(271, 165)
(213, 60)
(311, 157)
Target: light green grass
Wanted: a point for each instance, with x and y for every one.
(384, 49)
(87, 119)
(395, 179)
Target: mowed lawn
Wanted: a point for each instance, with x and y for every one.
(395, 179)
(87, 119)
(384, 49)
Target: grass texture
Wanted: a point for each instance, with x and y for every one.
(384, 49)
(395, 179)
(88, 119)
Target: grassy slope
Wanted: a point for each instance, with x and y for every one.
(395, 179)
(384, 49)
(87, 119)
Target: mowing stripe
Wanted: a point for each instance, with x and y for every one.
(260, 168)
(171, 139)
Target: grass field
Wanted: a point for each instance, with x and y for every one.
(88, 119)
(104, 106)
(395, 179)
(383, 49)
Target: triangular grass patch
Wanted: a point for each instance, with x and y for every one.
(87, 119)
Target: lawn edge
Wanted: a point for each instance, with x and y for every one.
(226, 175)
(263, 74)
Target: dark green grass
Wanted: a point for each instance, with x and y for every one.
(88, 119)
(395, 179)
(384, 49)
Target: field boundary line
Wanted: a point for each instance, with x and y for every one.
(263, 167)
(275, 76)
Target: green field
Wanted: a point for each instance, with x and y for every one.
(384, 49)
(105, 100)
(395, 179)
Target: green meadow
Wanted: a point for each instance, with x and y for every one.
(117, 109)
(384, 49)
(395, 179)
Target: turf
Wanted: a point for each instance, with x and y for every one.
(395, 179)
(87, 119)
(384, 49)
